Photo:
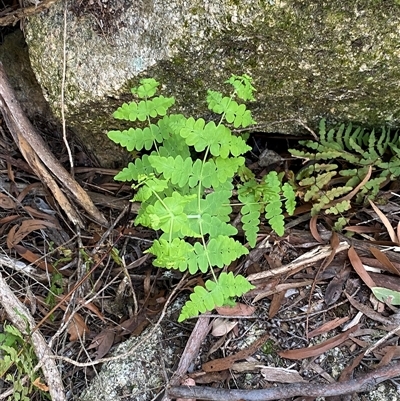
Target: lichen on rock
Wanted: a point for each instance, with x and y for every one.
(309, 59)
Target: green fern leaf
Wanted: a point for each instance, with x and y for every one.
(250, 219)
(214, 101)
(137, 138)
(205, 174)
(315, 168)
(145, 108)
(243, 87)
(176, 254)
(175, 169)
(223, 250)
(340, 224)
(168, 215)
(233, 286)
(273, 213)
(134, 170)
(250, 211)
(148, 186)
(227, 168)
(340, 207)
(217, 203)
(213, 226)
(327, 197)
(148, 88)
(216, 294)
(272, 187)
(290, 196)
(238, 146)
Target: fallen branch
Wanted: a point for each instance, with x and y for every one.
(40, 159)
(11, 17)
(23, 321)
(362, 383)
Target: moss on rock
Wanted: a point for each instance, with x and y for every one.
(309, 59)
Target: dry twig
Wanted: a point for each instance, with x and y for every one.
(362, 383)
(21, 318)
(39, 157)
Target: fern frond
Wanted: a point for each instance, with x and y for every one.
(315, 168)
(147, 88)
(340, 207)
(290, 198)
(227, 168)
(215, 294)
(176, 254)
(175, 169)
(204, 174)
(250, 211)
(223, 250)
(133, 111)
(328, 197)
(137, 138)
(134, 170)
(243, 87)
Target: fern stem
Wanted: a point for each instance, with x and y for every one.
(205, 248)
(151, 129)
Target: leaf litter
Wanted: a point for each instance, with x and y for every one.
(309, 283)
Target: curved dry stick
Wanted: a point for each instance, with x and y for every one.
(13, 16)
(34, 147)
(362, 383)
(21, 318)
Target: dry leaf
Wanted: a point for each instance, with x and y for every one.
(135, 324)
(221, 326)
(41, 386)
(31, 257)
(17, 234)
(363, 229)
(381, 257)
(335, 286)
(359, 268)
(227, 362)
(6, 202)
(385, 222)
(314, 230)
(76, 327)
(239, 309)
(328, 326)
(276, 304)
(103, 342)
(318, 349)
(281, 375)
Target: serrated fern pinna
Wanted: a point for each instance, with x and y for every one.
(186, 197)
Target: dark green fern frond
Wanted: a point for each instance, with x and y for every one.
(358, 149)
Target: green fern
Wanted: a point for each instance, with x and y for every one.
(17, 362)
(216, 293)
(266, 195)
(356, 147)
(189, 197)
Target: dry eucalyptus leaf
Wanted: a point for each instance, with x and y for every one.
(221, 326)
(238, 310)
(6, 202)
(281, 375)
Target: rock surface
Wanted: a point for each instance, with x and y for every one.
(137, 377)
(15, 59)
(309, 59)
